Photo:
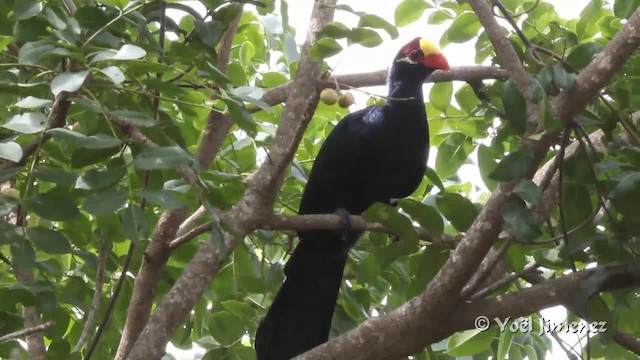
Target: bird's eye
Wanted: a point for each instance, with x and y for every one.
(414, 55)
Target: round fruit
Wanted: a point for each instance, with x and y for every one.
(11, 193)
(329, 96)
(380, 101)
(346, 100)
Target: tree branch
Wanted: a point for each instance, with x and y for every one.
(379, 78)
(410, 330)
(90, 322)
(256, 203)
(218, 125)
(317, 222)
(157, 253)
(28, 331)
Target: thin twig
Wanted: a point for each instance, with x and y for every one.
(482, 293)
(89, 325)
(28, 331)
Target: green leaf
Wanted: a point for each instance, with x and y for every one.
(440, 95)
(27, 123)
(273, 79)
(164, 198)
(464, 28)
(324, 48)
(396, 222)
(376, 22)
(6, 174)
(372, 266)
(470, 342)
(84, 157)
(104, 203)
(49, 241)
(11, 151)
(452, 153)
(457, 209)
(466, 98)
(434, 178)
(30, 29)
(210, 32)
(114, 74)
(53, 207)
(520, 220)
(409, 11)
(27, 9)
(486, 165)
(10, 233)
(515, 107)
(562, 78)
(530, 352)
(334, 30)
(33, 102)
(242, 117)
(167, 157)
(581, 55)
(438, 17)
(550, 258)
(514, 165)
(98, 141)
(425, 215)
(225, 327)
(126, 52)
(364, 37)
(425, 266)
(68, 81)
(100, 178)
(528, 191)
(22, 254)
(504, 344)
(7, 204)
(134, 222)
(31, 52)
(625, 8)
(134, 117)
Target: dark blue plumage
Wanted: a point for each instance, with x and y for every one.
(372, 155)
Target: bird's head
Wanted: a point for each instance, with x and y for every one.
(420, 56)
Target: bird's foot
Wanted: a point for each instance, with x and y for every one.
(345, 219)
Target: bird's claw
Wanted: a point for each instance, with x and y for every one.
(345, 218)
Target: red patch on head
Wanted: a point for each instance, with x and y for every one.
(409, 47)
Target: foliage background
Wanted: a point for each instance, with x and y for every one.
(94, 192)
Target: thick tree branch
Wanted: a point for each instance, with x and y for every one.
(256, 203)
(413, 323)
(600, 70)
(627, 341)
(158, 251)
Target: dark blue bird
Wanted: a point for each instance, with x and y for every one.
(374, 154)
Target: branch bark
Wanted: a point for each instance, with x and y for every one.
(414, 323)
(256, 203)
(158, 251)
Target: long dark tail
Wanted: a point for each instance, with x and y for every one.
(299, 318)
